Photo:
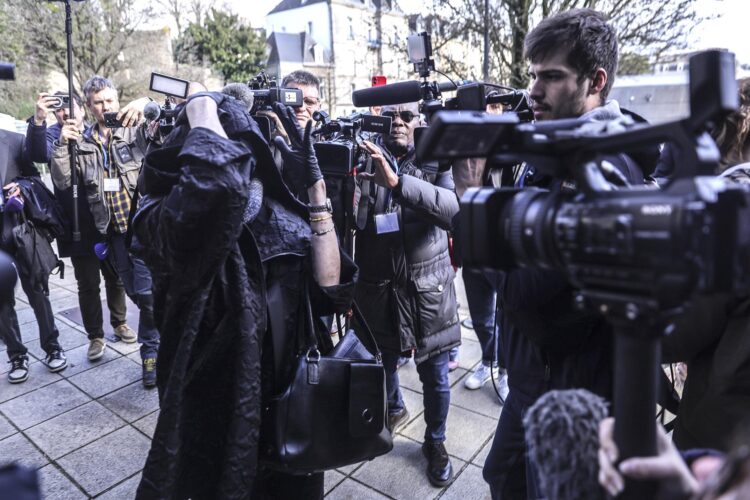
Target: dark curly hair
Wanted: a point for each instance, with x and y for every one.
(731, 135)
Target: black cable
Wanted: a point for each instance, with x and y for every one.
(448, 77)
(496, 335)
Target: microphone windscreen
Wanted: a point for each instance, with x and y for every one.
(393, 93)
(562, 436)
(151, 111)
(241, 92)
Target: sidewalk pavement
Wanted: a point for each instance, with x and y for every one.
(87, 429)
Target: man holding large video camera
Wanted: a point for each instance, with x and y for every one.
(547, 342)
(406, 289)
(110, 154)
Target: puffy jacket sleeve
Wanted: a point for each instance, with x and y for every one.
(436, 203)
(38, 146)
(194, 226)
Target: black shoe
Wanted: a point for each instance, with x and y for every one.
(439, 467)
(55, 361)
(149, 372)
(397, 420)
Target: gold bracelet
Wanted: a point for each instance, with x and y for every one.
(321, 219)
(321, 233)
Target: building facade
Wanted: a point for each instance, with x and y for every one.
(343, 42)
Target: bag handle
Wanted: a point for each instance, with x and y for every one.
(313, 342)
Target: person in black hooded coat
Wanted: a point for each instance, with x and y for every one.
(224, 257)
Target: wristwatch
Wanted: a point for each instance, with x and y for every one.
(316, 209)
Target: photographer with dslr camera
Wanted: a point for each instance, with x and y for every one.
(406, 289)
(87, 267)
(547, 342)
(110, 154)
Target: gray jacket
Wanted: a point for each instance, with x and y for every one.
(406, 289)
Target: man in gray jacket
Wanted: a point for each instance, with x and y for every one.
(406, 290)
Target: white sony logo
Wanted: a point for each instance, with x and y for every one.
(656, 209)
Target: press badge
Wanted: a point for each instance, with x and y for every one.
(112, 185)
(386, 223)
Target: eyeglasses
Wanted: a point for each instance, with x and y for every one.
(406, 115)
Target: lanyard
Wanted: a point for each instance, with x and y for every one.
(106, 151)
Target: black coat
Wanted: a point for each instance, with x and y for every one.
(406, 289)
(214, 281)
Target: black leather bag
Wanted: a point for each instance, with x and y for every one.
(332, 414)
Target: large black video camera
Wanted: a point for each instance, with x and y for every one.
(7, 71)
(636, 255)
(342, 151)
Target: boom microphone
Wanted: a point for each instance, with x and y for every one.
(7, 71)
(152, 111)
(241, 92)
(397, 93)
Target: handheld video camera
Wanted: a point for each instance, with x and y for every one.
(266, 92)
(342, 152)
(167, 114)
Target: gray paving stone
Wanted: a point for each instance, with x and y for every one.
(64, 303)
(123, 491)
(107, 461)
(482, 455)
(39, 376)
(414, 404)
(6, 429)
(401, 473)
(352, 490)
(350, 468)
(469, 484)
(332, 479)
(25, 316)
(465, 435)
(74, 429)
(147, 424)
(69, 338)
(55, 486)
(120, 346)
(43, 404)
(135, 357)
(78, 361)
(17, 448)
(107, 377)
(482, 400)
(132, 402)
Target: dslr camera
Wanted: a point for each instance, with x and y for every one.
(59, 101)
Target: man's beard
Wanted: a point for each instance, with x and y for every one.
(396, 149)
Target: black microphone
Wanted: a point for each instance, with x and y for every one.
(392, 93)
(397, 93)
(152, 111)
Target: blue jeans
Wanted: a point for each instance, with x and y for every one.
(433, 373)
(481, 294)
(136, 279)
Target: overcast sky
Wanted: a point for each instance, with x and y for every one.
(728, 30)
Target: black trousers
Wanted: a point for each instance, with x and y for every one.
(88, 271)
(10, 330)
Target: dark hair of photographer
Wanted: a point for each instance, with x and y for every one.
(592, 42)
(732, 134)
(309, 84)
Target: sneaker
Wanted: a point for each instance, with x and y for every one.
(502, 386)
(126, 334)
(56, 361)
(19, 369)
(439, 467)
(397, 420)
(479, 377)
(149, 372)
(96, 349)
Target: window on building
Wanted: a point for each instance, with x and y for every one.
(309, 28)
(354, 87)
(351, 28)
(322, 91)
